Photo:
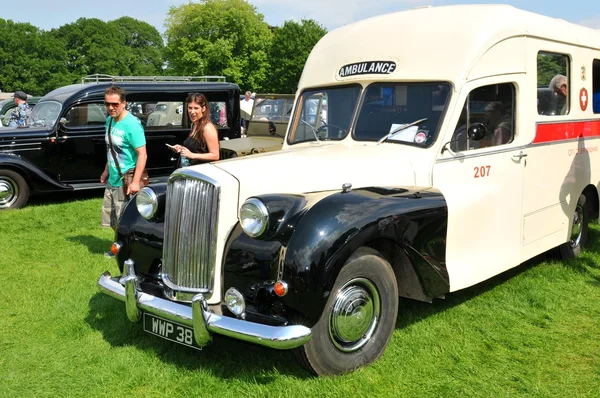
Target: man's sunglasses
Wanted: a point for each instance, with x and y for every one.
(113, 104)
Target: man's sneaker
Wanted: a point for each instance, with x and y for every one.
(109, 254)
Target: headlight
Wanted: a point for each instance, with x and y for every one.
(235, 302)
(146, 202)
(254, 217)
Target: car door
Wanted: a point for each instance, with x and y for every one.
(482, 183)
(80, 137)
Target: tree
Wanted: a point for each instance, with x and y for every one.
(219, 37)
(121, 47)
(292, 44)
(30, 59)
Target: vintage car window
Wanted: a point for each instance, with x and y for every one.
(552, 84)
(86, 115)
(218, 113)
(160, 114)
(492, 106)
(308, 123)
(387, 107)
(45, 113)
(269, 109)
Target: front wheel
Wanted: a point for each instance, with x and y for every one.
(358, 320)
(579, 230)
(14, 191)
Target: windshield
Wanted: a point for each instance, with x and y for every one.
(389, 106)
(272, 109)
(324, 114)
(45, 113)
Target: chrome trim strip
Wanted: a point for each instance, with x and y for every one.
(20, 150)
(25, 144)
(203, 321)
(462, 155)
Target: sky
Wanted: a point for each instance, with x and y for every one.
(331, 14)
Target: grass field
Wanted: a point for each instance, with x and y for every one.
(531, 332)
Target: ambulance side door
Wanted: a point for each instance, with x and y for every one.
(482, 182)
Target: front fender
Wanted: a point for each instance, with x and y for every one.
(339, 224)
(37, 179)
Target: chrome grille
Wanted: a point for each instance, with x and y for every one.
(189, 250)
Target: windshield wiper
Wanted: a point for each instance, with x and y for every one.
(401, 128)
(314, 130)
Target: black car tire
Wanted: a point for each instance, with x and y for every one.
(579, 231)
(14, 191)
(365, 286)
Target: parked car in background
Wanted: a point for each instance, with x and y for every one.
(63, 149)
(7, 106)
(268, 123)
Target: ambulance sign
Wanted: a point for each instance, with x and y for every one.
(368, 68)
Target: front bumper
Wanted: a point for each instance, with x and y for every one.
(198, 316)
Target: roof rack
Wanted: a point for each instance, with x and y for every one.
(101, 78)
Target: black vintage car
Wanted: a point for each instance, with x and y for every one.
(63, 147)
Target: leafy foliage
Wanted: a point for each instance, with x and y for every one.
(219, 37)
(38, 61)
(291, 46)
(548, 66)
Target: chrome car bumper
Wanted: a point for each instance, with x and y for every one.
(198, 316)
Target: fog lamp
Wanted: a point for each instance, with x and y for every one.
(235, 302)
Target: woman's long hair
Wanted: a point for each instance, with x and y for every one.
(197, 132)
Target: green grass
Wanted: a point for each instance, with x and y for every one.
(533, 331)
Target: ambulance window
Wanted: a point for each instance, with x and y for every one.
(596, 86)
(493, 107)
(552, 84)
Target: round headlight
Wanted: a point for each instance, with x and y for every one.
(146, 202)
(254, 217)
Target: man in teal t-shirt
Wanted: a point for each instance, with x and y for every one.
(129, 146)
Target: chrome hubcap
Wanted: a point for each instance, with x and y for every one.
(355, 314)
(9, 192)
(577, 227)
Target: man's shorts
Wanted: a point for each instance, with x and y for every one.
(112, 206)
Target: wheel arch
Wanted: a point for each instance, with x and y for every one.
(403, 228)
(591, 195)
(36, 178)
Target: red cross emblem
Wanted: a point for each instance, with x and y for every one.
(583, 99)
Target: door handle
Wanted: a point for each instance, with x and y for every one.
(173, 159)
(520, 156)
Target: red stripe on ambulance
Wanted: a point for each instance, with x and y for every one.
(566, 131)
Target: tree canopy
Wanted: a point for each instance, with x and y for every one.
(291, 46)
(210, 37)
(219, 37)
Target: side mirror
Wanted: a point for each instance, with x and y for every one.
(272, 128)
(477, 131)
(63, 121)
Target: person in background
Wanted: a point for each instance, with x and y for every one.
(498, 125)
(202, 145)
(126, 142)
(246, 105)
(560, 85)
(21, 114)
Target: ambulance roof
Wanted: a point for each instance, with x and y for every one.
(434, 43)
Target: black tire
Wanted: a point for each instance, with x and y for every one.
(14, 191)
(341, 344)
(579, 231)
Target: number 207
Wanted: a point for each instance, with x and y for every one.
(483, 171)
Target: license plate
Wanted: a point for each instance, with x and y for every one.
(170, 330)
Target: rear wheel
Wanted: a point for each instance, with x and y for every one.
(579, 230)
(358, 320)
(14, 191)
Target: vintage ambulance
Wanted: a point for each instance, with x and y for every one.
(457, 143)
